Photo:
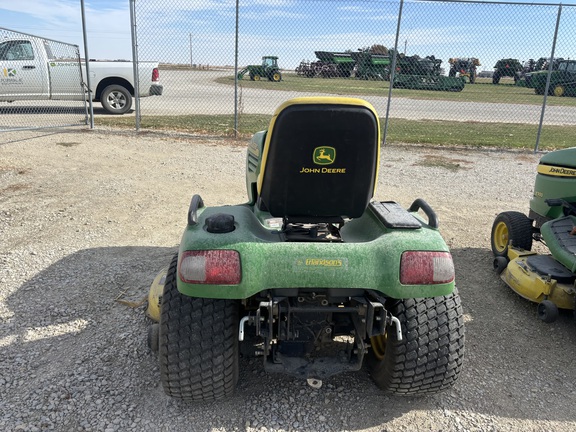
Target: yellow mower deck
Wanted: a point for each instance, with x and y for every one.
(155, 295)
(532, 286)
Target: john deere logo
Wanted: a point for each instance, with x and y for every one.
(324, 155)
(9, 72)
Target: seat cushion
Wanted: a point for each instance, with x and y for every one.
(560, 237)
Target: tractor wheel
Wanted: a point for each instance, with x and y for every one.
(500, 263)
(512, 227)
(547, 311)
(429, 357)
(496, 78)
(256, 77)
(116, 99)
(276, 76)
(538, 90)
(198, 344)
(559, 90)
(153, 334)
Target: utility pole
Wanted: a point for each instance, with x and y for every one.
(191, 51)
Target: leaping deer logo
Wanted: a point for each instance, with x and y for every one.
(324, 155)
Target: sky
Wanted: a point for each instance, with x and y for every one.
(203, 31)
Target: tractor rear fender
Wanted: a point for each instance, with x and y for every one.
(369, 257)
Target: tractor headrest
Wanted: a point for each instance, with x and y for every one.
(320, 158)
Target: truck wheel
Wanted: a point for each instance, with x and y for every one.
(198, 344)
(429, 357)
(512, 227)
(116, 99)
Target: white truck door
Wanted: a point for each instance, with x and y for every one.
(23, 74)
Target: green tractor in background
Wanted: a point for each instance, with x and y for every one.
(547, 279)
(268, 69)
(464, 67)
(507, 68)
(562, 79)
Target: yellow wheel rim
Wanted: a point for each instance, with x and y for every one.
(256, 77)
(379, 345)
(501, 236)
(276, 77)
(558, 91)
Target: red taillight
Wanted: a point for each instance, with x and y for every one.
(217, 267)
(155, 75)
(426, 268)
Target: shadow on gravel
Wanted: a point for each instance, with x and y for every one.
(516, 365)
(74, 357)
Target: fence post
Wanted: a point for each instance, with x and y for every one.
(548, 78)
(135, 62)
(392, 72)
(236, 74)
(87, 63)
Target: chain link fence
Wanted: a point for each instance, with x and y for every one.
(455, 67)
(41, 83)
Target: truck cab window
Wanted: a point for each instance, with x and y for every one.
(16, 50)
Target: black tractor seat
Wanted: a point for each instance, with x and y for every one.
(320, 160)
(560, 237)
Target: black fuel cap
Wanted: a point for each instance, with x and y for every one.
(220, 223)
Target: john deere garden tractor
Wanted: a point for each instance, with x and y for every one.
(268, 69)
(311, 274)
(546, 279)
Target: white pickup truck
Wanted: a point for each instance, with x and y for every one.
(30, 71)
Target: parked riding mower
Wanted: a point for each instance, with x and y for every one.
(311, 274)
(547, 279)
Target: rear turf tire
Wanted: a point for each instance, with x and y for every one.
(429, 357)
(198, 344)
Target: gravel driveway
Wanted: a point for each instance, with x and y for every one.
(88, 218)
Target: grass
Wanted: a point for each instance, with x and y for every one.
(432, 132)
(482, 91)
(441, 133)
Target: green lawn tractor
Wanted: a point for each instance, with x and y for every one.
(311, 274)
(547, 279)
(268, 69)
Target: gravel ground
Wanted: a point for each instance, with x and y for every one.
(88, 218)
